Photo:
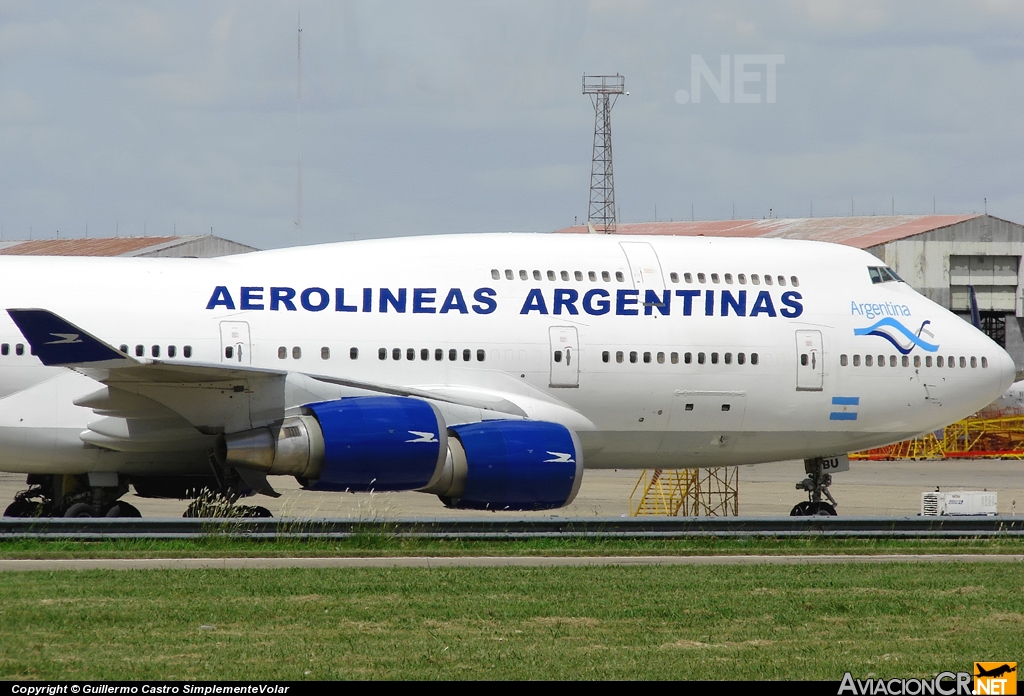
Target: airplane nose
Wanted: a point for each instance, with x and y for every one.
(1007, 370)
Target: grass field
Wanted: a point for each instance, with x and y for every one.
(739, 622)
(385, 545)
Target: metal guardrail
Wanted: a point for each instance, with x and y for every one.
(499, 529)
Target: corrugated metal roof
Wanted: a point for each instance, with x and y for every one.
(860, 232)
(115, 246)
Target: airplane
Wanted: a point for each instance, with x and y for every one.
(490, 370)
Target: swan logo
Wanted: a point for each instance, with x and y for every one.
(902, 338)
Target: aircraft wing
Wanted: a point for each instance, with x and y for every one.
(207, 398)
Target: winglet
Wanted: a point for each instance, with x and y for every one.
(56, 341)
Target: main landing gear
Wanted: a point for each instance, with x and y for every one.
(87, 495)
(816, 484)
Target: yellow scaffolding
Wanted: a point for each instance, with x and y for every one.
(710, 492)
(976, 437)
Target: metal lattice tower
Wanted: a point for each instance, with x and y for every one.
(604, 90)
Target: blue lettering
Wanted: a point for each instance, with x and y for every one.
(763, 305)
(386, 298)
(455, 300)
(738, 305)
(421, 298)
(252, 298)
(626, 297)
(709, 303)
(485, 296)
(602, 306)
(307, 299)
(854, 307)
(651, 300)
(687, 296)
(793, 308)
(339, 301)
(534, 303)
(282, 296)
(367, 299)
(567, 299)
(220, 298)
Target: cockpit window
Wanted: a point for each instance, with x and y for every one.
(883, 274)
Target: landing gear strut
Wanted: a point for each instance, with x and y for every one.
(816, 484)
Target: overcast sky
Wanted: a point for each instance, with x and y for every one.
(450, 117)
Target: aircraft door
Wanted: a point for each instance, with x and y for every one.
(810, 367)
(234, 343)
(644, 265)
(565, 359)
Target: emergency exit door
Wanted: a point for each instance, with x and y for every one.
(234, 343)
(810, 367)
(564, 357)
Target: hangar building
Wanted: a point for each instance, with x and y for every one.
(200, 246)
(940, 256)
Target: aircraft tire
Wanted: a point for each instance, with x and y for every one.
(123, 509)
(822, 509)
(22, 508)
(81, 510)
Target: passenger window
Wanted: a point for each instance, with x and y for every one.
(325, 353)
(229, 352)
(917, 361)
(282, 352)
(974, 361)
(728, 278)
(782, 281)
(892, 361)
(605, 356)
(523, 275)
(466, 354)
(963, 361)
(881, 361)
(619, 277)
(424, 354)
(187, 351)
(578, 275)
(755, 280)
(767, 280)
(794, 281)
(296, 352)
(675, 358)
(714, 358)
(928, 361)
(940, 361)
(700, 358)
(984, 362)
(353, 353)
(689, 407)
(951, 361)
(687, 358)
(140, 350)
(906, 361)
(453, 355)
(647, 356)
(741, 358)
(495, 275)
(753, 358)
(632, 356)
(606, 276)
(592, 275)
(726, 407)
(438, 354)
(701, 278)
(688, 277)
(410, 353)
(4, 349)
(508, 274)
(868, 361)
(714, 278)
(564, 275)
(856, 361)
(619, 356)
(661, 358)
(728, 358)
(172, 351)
(842, 360)
(551, 275)
(804, 359)
(537, 275)
(382, 353)
(674, 277)
(742, 279)
(396, 353)
(481, 354)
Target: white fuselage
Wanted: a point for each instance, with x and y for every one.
(634, 343)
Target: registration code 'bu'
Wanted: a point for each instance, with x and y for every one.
(838, 463)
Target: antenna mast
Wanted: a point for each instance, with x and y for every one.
(604, 91)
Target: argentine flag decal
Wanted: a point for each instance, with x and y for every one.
(844, 408)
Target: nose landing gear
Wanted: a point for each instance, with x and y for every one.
(816, 484)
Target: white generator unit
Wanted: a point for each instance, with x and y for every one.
(936, 504)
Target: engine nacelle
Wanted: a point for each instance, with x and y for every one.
(510, 465)
(380, 443)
